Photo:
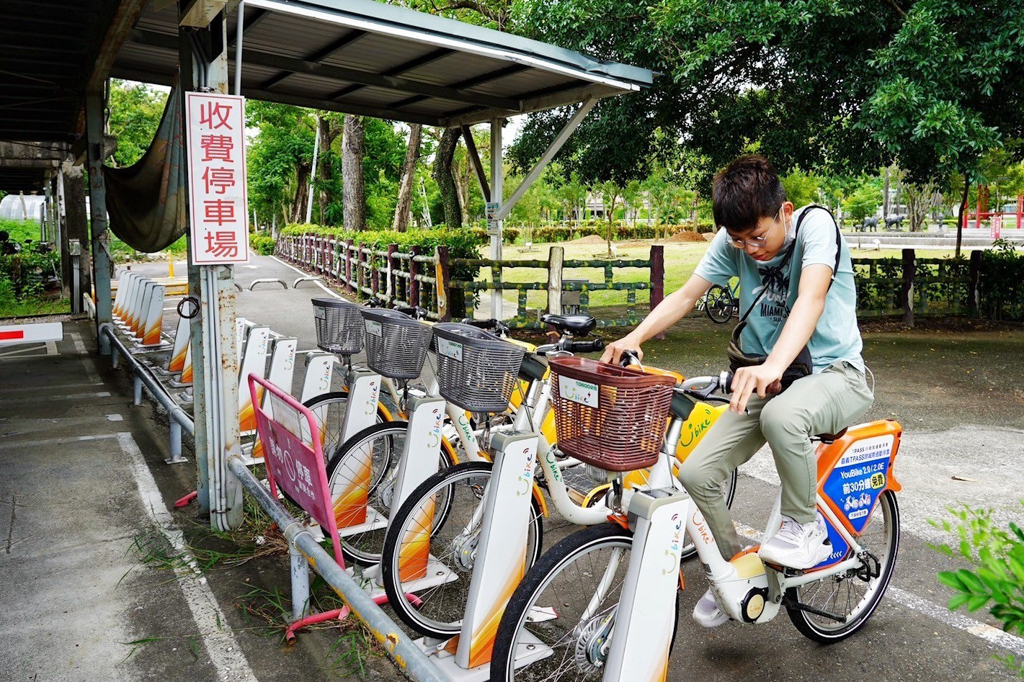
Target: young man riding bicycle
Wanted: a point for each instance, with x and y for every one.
(797, 295)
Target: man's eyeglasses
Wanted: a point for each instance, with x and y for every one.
(758, 241)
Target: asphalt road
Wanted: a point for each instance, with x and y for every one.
(911, 637)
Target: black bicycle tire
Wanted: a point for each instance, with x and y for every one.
(399, 427)
(802, 621)
(392, 587)
(537, 577)
(719, 303)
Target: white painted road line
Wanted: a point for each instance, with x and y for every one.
(219, 640)
(956, 619)
(55, 398)
(306, 274)
(86, 357)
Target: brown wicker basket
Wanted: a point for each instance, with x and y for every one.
(608, 416)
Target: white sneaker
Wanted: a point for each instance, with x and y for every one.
(707, 613)
(797, 545)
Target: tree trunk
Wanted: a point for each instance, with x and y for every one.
(885, 197)
(464, 178)
(325, 171)
(445, 180)
(412, 155)
(298, 212)
(353, 188)
(963, 213)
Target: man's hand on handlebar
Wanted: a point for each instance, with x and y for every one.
(764, 379)
(613, 351)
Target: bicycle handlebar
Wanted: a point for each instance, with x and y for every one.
(490, 325)
(570, 346)
(704, 388)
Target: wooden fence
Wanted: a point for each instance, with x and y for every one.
(918, 286)
(426, 280)
(908, 286)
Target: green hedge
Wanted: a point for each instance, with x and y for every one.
(461, 243)
(1000, 287)
(559, 232)
(262, 244)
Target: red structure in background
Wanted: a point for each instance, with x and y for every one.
(981, 211)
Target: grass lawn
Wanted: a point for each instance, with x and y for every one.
(20, 230)
(681, 259)
(34, 306)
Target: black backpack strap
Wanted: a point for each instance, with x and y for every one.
(792, 247)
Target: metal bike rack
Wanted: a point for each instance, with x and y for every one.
(295, 284)
(267, 280)
(143, 376)
(304, 547)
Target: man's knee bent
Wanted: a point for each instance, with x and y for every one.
(694, 476)
(780, 421)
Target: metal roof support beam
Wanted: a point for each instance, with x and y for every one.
(343, 107)
(474, 156)
(379, 80)
(497, 177)
(252, 22)
(400, 69)
(199, 13)
(319, 56)
(98, 219)
(549, 154)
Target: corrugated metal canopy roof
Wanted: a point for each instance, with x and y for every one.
(365, 57)
(48, 51)
(356, 56)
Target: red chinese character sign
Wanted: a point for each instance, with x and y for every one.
(216, 174)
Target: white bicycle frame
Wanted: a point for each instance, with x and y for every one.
(746, 589)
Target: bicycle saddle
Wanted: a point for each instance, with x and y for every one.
(577, 324)
(829, 438)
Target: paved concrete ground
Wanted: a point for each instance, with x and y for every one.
(82, 478)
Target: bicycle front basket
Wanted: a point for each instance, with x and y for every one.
(608, 416)
(475, 370)
(339, 326)
(396, 344)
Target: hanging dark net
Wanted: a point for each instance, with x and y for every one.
(146, 202)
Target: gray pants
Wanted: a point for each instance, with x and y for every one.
(825, 402)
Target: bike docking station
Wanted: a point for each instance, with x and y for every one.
(138, 310)
(296, 468)
(396, 347)
(478, 372)
(339, 330)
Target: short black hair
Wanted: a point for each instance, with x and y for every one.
(745, 191)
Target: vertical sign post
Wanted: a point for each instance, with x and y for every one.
(218, 219)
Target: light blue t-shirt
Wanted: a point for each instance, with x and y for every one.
(836, 336)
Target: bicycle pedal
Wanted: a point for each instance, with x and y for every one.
(784, 570)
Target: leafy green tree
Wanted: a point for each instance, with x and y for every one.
(948, 88)
(279, 157)
(610, 192)
(801, 188)
(632, 199)
(135, 113)
(790, 77)
(862, 202)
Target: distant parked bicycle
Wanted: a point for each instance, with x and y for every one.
(722, 303)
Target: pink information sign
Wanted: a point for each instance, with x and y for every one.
(294, 465)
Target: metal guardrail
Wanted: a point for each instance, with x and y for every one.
(143, 376)
(403, 651)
